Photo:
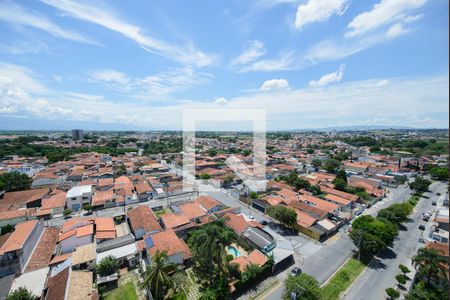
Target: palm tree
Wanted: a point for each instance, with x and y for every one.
(156, 276)
(430, 263)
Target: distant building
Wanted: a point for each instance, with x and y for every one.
(77, 134)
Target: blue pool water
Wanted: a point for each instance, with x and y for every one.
(233, 251)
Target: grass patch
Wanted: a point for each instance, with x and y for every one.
(179, 296)
(160, 212)
(126, 291)
(341, 281)
(414, 200)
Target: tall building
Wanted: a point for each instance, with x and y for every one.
(77, 134)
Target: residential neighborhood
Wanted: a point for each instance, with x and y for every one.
(98, 222)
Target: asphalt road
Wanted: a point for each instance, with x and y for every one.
(337, 250)
(380, 274)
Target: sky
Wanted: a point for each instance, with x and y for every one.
(121, 65)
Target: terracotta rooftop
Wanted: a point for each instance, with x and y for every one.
(192, 210)
(236, 222)
(84, 254)
(440, 247)
(207, 202)
(167, 240)
(172, 220)
(18, 237)
(23, 197)
(255, 257)
(57, 285)
(143, 217)
(43, 252)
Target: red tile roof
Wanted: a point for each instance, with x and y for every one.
(207, 202)
(167, 240)
(44, 249)
(171, 220)
(236, 222)
(18, 237)
(192, 210)
(143, 217)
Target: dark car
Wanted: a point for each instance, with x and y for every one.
(422, 227)
(264, 222)
(433, 203)
(296, 271)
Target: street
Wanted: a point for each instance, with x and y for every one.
(380, 274)
(335, 251)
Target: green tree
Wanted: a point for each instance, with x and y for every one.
(303, 286)
(212, 152)
(440, 173)
(401, 279)
(7, 229)
(227, 181)
(302, 184)
(157, 277)
(250, 273)
(420, 184)
(422, 291)
(253, 195)
(392, 293)
(107, 266)
(14, 181)
(342, 175)
(404, 269)
(331, 165)
(396, 213)
(282, 213)
(339, 184)
(430, 263)
(88, 207)
(316, 163)
(208, 251)
(205, 176)
(21, 294)
(67, 212)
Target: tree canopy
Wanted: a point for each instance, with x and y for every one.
(303, 286)
(282, 213)
(107, 266)
(14, 181)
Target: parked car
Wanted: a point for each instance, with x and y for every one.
(433, 203)
(422, 227)
(421, 240)
(264, 222)
(438, 194)
(296, 271)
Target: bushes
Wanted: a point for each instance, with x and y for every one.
(392, 293)
(285, 215)
(107, 266)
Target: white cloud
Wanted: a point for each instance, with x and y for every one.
(329, 78)
(275, 85)
(252, 51)
(396, 30)
(285, 61)
(106, 18)
(410, 101)
(381, 14)
(152, 86)
(221, 101)
(318, 11)
(23, 78)
(110, 76)
(13, 13)
(382, 82)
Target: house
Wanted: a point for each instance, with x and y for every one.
(13, 217)
(125, 188)
(338, 200)
(253, 258)
(209, 204)
(192, 210)
(57, 283)
(174, 221)
(79, 195)
(126, 255)
(23, 199)
(144, 191)
(177, 250)
(16, 247)
(84, 257)
(143, 221)
(104, 199)
(330, 208)
(74, 233)
(351, 197)
(53, 206)
(104, 229)
(105, 184)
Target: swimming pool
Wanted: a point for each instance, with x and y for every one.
(233, 251)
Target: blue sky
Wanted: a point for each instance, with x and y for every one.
(309, 63)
